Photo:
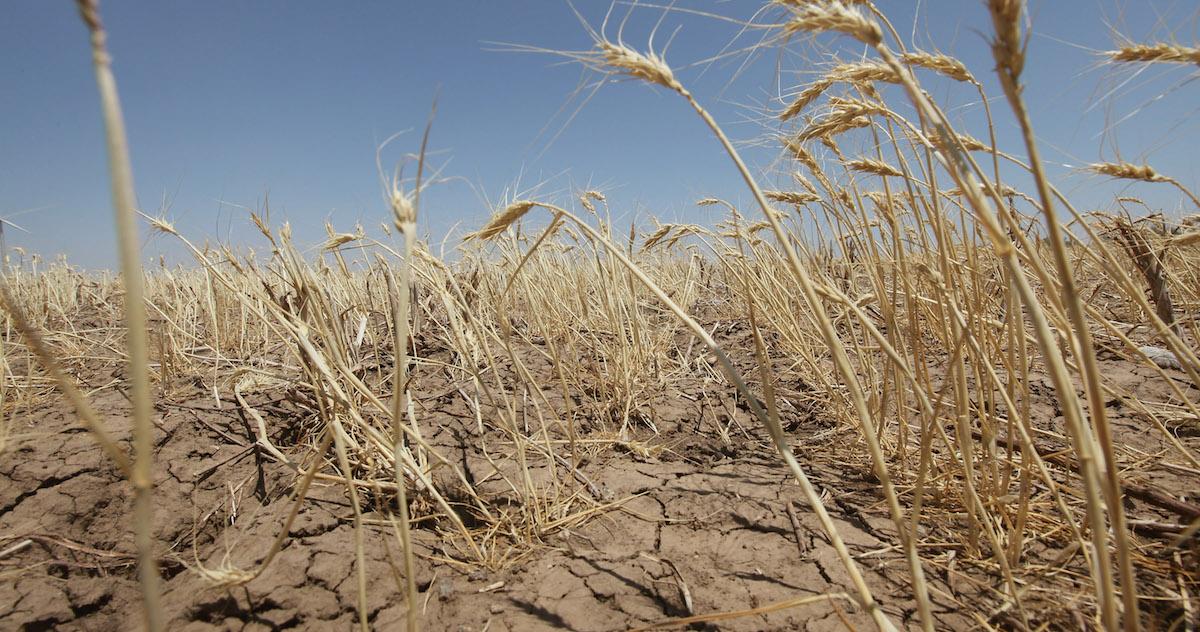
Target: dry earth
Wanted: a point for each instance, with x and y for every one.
(696, 526)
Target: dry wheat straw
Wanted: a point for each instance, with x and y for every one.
(124, 201)
(404, 217)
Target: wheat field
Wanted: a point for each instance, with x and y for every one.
(905, 392)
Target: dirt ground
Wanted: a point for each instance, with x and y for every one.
(694, 525)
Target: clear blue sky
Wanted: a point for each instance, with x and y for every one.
(234, 100)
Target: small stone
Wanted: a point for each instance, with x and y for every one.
(277, 618)
(1163, 358)
(495, 608)
(445, 589)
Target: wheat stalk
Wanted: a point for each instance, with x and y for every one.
(124, 201)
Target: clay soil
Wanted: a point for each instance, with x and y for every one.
(692, 524)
